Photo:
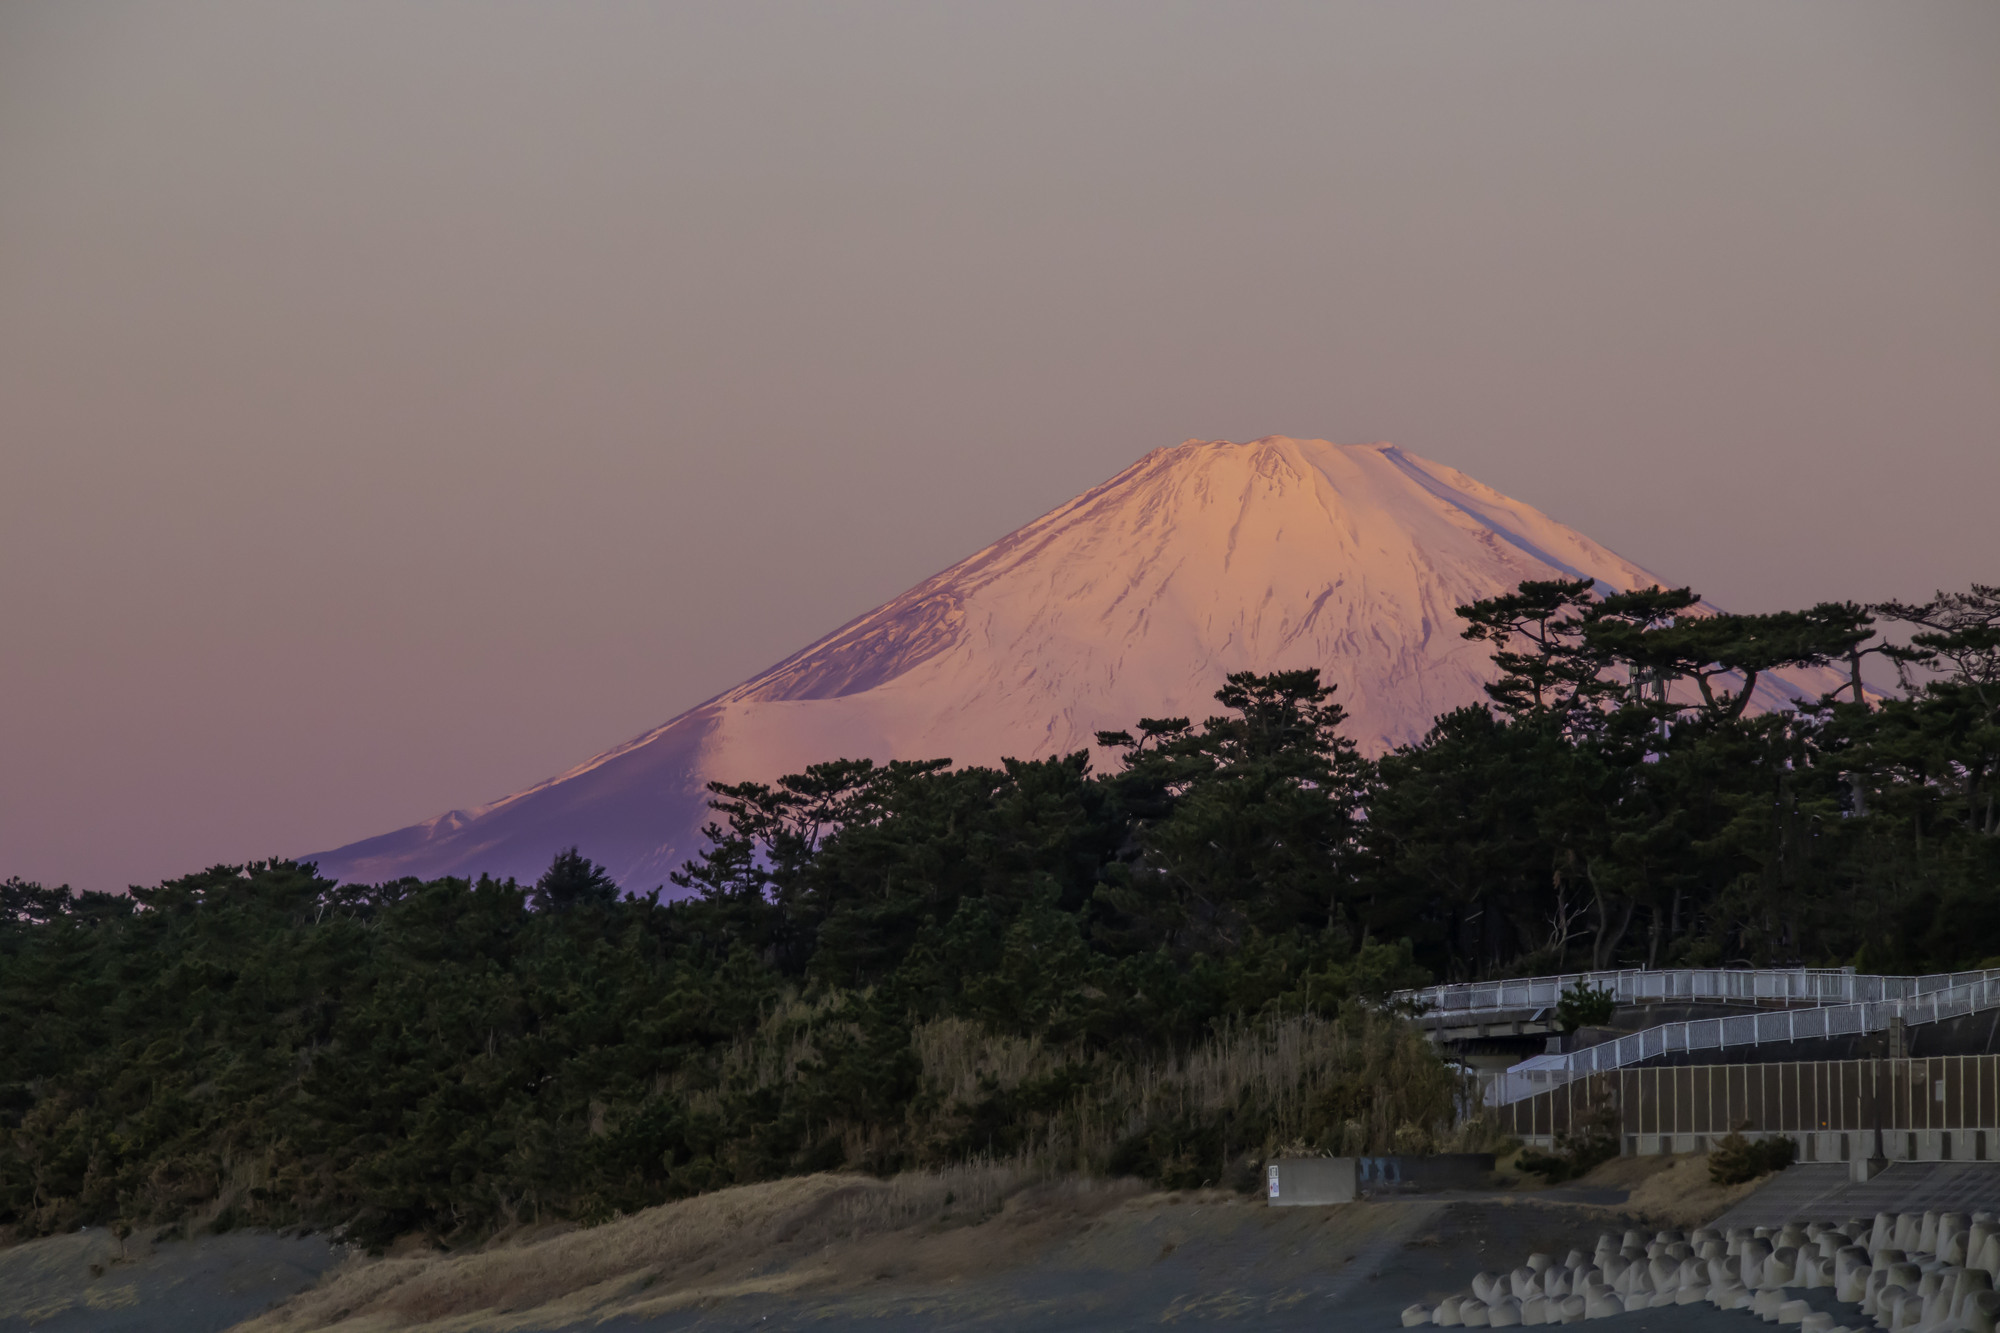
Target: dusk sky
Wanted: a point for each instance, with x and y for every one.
(400, 402)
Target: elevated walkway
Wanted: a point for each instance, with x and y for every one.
(1762, 1007)
(1927, 1004)
(1474, 1001)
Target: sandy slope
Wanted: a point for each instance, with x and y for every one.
(89, 1282)
(837, 1252)
(968, 1249)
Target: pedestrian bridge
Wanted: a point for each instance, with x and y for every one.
(1786, 1004)
(1691, 985)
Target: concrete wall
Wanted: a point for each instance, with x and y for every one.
(1419, 1175)
(1898, 1145)
(1304, 1181)
(1323, 1180)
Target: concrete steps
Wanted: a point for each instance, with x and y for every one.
(1817, 1191)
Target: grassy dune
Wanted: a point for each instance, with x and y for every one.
(972, 1247)
(784, 1235)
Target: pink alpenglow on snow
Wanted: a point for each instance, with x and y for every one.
(1134, 599)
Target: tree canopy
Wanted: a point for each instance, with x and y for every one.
(887, 965)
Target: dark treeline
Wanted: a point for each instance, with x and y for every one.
(1161, 968)
(1620, 805)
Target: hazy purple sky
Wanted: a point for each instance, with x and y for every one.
(400, 402)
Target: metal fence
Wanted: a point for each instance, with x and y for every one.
(1798, 985)
(1951, 1092)
(1708, 1034)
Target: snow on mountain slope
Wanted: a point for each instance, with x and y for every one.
(1134, 599)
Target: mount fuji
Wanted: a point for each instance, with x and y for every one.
(1134, 599)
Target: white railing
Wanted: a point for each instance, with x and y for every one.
(1795, 985)
(1710, 1034)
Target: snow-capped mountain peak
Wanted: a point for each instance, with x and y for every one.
(1134, 599)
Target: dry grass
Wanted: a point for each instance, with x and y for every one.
(1670, 1191)
(1679, 1193)
(1360, 1083)
(752, 1237)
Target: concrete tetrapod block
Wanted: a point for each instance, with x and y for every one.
(1754, 1254)
(1765, 1305)
(1691, 1293)
(1970, 1317)
(1816, 1321)
(1971, 1281)
(1988, 1258)
(1871, 1290)
(1779, 1270)
(1416, 1314)
(1981, 1309)
(1523, 1283)
(1850, 1273)
(1934, 1294)
(1951, 1237)
(1600, 1302)
(1975, 1240)
(1446, 1314)
(1927, 1232)
(1574, 1309)
(1482, 1285)
(1504, 1313)
(1535, 1310)
(1793, 1312)
(1908, 1276)
(1472, 1313)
